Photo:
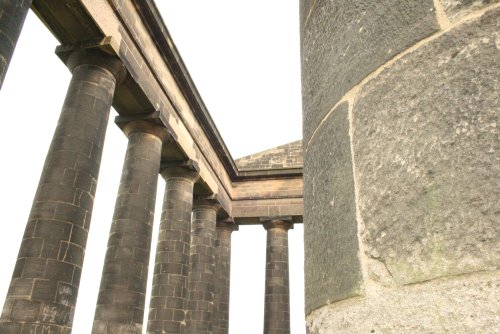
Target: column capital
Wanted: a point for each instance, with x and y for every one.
(187, 169)
(207, 201)
(227, 224)
(147, 123)
(285, 223)
(95, 52)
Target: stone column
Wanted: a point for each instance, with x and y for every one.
(120, 306)
(222, 273)
(401, 165)
(12, 16)
(201, 267)
(45, 282)
(277, 295)
(169, 294)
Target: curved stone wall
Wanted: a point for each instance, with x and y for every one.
(402, 164)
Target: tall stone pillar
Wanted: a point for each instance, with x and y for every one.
(201, 267)
(120, 306)
(401, 163)
(277, 293)
(222, 274)
(44, 287)
(169, 296)
(12, 16)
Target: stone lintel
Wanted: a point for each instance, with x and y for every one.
(256, 221)
(285, 222)
(251, 211)
(98, 52)
(148, 122)
(188, 169)
(228, 223)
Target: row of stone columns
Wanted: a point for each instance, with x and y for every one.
(45, 283)
(190, 291)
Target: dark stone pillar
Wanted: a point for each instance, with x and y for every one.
(169, 296)
(201, 267)
(277, 295)
(12, 16)
(120, 306)
(45, 282)
(222, 274)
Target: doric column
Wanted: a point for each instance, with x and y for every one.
(45, 282)
(220, 316)
(277, 295)
(12, 16)
(120, 306)
(201, 267)
(169, 296)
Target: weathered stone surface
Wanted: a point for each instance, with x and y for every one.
(426, 143)
(51, 255)
(12, 16)
(250, 211)
(455, 9)
(277, 284)
(222, 274)
(284, 156)
(169, 294)
(467, 306)
(122, 294)
(305, 7)
(332, 269)
(344, 41)
(201, 267)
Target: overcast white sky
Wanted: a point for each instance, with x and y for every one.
(244, 58)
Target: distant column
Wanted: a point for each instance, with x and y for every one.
(46, 278)
(201, 267)
(222, 273)
(122, 295)
(169, 296)
(12, 16)
(277, 295)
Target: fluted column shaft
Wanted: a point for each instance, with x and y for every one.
(222, 274)
(12, 16)
(277, 290)
(169, 296)
(46, 277)
(122, 295)
(201, 268)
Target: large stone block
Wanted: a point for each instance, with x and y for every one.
(426, 150)
(455, 9)
(344, 41)
(332, 268)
